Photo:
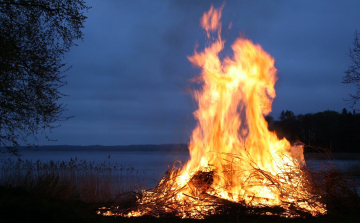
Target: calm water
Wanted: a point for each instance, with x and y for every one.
(153, 162)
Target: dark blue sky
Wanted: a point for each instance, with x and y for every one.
(129, 80)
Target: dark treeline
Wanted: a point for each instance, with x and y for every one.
(330, 130)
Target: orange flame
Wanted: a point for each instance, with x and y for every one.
(231, 137)
(235, 96)
(233, 155)
(210, 21)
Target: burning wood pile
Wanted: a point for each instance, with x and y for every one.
(196, 195)
(236, 165)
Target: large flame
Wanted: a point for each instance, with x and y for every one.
(233, 155)
(232, 137)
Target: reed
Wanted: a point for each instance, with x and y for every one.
(73, 180)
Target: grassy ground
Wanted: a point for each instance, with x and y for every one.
(18, 205)
(28, 198)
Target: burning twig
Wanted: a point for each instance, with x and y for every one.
(237, 165)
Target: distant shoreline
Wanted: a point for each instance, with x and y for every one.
(168, 148)
(332, 156)
(162, 147)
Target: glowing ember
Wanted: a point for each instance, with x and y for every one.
(235, 160)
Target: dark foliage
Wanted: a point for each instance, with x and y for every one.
(34, 36)
(352, 74)
(330, 130)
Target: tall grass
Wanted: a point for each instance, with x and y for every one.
(73, 180)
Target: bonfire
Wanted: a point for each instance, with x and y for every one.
(235, 162)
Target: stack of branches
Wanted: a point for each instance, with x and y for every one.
(303, 192)
(162, 201)
(290, 185)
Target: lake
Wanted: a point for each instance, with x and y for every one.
(148, 159)
(153, 160)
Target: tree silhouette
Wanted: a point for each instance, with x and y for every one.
(287, 126)
(34, 36)
(329, 130)
(352, 74)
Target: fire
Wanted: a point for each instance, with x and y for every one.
(234, 158)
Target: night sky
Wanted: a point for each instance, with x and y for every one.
(130, 76)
